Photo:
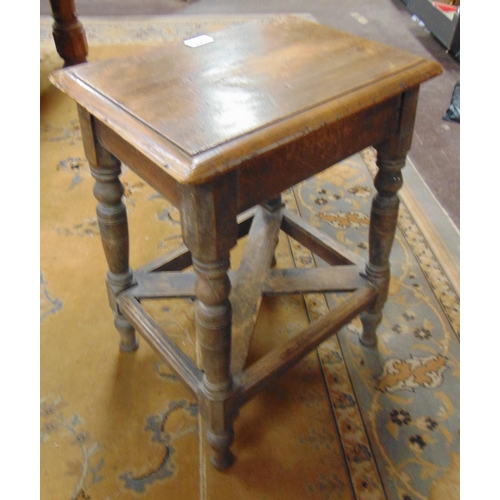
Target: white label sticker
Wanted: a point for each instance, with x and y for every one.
(198, 40)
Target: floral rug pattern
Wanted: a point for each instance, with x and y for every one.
(348, 422)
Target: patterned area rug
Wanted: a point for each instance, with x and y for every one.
(346, 423)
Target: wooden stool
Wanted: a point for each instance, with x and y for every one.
(222, 123)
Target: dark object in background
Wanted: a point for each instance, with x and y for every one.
(442, 19)
(453, 112)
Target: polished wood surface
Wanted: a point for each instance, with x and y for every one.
(253, 87)
(219, 129)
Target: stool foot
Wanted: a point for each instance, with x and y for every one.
(222, 457)
(223, 461)
(128, 338)
(370, 321)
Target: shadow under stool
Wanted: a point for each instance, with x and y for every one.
(220, 125)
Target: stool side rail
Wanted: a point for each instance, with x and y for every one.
(287, 355)
(187, 371)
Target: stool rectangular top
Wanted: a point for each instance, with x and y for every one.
(200, 109)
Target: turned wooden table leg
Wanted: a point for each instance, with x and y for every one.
(69, 35)
(213, 321)
(209, 231)
(272, 205)
(113, 226)
(391, 158)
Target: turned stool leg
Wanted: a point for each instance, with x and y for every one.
(210, 230)
(213, 321)
(383, 220)
(113, 226)
(272, 205)
(112, 218)
(391, 158)
(69, 35)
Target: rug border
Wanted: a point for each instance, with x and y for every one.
(440, 232)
